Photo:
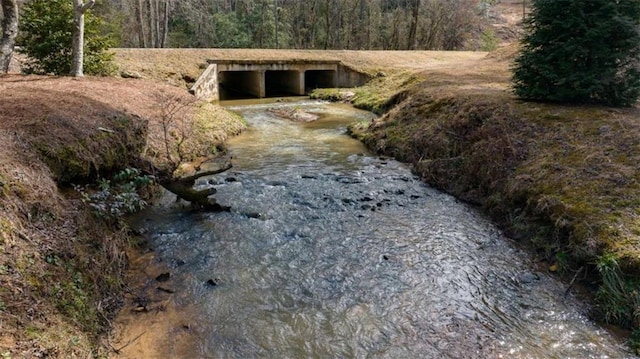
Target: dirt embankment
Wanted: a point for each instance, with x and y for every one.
(62, 268)
(563, 179)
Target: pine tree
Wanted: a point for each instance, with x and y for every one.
(581, 52)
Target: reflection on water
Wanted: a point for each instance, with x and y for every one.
(330, 252)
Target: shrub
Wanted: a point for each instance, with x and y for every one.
(117, 197)
(46, 29)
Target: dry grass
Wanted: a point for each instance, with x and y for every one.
(181, 67)
(564, 177)
(61, 269)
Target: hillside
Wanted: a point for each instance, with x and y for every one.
(61, 267)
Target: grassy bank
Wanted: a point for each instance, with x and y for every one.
(563, 179)
(62, 262)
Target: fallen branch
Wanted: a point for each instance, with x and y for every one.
(119, 350)
(575, 276)
(182, 186)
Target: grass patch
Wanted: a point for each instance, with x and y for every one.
(377, 96)
(562, 178)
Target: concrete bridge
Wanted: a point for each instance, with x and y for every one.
(224, 79)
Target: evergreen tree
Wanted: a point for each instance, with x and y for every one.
(581, 51)
(46, 36)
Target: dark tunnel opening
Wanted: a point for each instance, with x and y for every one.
(251, 84)
(283, 83)
(233, 85)
(314, 79)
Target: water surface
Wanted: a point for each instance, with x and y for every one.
(331, 252)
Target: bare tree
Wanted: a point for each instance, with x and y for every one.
(79, 9)
(177, 131)
(9, 33)
(415, 12)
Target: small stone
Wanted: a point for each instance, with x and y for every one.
(255, 215)
(163, 277)
(231, 179)
(214, 282)
(604, 130)
(528, 277)
(130, 75)
(179, 262)
(277, 183)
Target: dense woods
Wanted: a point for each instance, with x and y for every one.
(309, 24)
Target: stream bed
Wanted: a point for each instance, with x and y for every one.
(331, 252)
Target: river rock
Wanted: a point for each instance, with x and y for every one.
(294, 114)
(528, 277)
(163, 277)
(214, 282)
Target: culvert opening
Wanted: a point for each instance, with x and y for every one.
(272, 83)
(283, 83)
(314, 79)
(239, 84)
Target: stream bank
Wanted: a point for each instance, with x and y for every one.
(62, 265)
(562, 179)
(330, 251)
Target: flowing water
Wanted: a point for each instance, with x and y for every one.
(331, 252)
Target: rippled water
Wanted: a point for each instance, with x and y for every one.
(330, 252)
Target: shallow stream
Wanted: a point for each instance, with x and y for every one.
(331, 252)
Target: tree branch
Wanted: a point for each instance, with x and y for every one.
(183, 186)
(87, 6)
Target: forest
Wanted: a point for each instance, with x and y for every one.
(297, 24)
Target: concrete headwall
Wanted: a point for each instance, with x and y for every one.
(206, 86)
(348, 77)
(264, 78)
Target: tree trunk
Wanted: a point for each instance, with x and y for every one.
(152, 33)
(142, 39)
(156, 11)
(183, 186)
(277, 23)
(414, 25)
(165, 24)
(79, 9)
(9, 32)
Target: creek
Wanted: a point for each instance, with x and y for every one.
(332, 252)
